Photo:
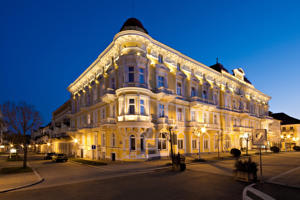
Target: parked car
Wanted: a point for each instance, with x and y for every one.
(48, 156)
(61, 157)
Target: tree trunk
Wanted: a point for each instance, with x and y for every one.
(25, 156)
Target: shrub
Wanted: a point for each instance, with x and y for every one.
(296, 148)
(235, 152)
(246, 166)
(275, 149)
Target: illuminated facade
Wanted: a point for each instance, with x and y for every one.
(290, 131)
(124, 103)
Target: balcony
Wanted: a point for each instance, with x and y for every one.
(242, 128)
(138, 118)
(200, 102)
(108, 120)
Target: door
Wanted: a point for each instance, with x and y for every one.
(81, 153)
(113, 156)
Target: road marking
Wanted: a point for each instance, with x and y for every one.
(284, 173)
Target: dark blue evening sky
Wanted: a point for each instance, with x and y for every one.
(46, 45)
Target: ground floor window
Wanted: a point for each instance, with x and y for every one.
(216, 141)
(162, 142)
(132, 143)
(205, 143)
(180, 144)
(142, 143)
(194, 144)
(227, 142)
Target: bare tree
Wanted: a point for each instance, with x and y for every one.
(21, 119)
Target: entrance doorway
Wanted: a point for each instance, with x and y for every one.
(81, 153)
(113, 156)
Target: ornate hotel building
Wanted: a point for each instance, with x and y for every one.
(124, 104)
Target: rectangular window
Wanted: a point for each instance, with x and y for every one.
(193, 92)
(89, 118)
(131, 107)
(161, 110)
(161, 81)
(180, 144)
(194, 144)
(113, 85)
(178, 66)
(206, 144)
(142, 75)
(160, 58)
(130, 74)
(102, 113)
(178, 89)
(179, 114)
(193, 115)
(215, 119)
(205, 117)
(142, 107)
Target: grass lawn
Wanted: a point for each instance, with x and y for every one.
(15, 170)
(89, 162)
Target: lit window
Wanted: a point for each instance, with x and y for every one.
(193, 115)
(161, 110)
(132, 143)
(130, 74)
(142, 76)
(205, 117)
(193, 92)
(215, 119)
(180, 144)
(178, 89)
(162, 142)
(161, 81)
(89, 118)
(142, 107)
(131, 106)
(160, 58)
(179, 114)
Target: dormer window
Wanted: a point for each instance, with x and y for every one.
(160, 58)
(193, 92)
(178, 67)
(204, 94)
(130, 74)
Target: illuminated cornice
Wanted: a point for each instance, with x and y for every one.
(171, 58)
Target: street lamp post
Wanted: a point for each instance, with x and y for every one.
(171, 142)
(197, 133)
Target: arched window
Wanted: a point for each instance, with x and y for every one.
(162, 142)
(132, 143)
(113, 140)
(142, 143)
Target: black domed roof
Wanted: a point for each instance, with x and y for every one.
(133, 24)
(218, 67)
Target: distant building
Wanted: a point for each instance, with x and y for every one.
(290, 130)
(124, 103)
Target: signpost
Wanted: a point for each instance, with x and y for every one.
(259, 137)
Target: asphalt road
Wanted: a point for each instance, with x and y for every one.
(158, 185)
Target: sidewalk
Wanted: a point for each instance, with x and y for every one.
(10, 182)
